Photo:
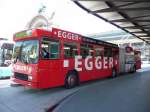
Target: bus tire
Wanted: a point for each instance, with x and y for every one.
(71, 80)
(114, 73)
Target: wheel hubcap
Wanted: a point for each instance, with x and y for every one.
(71, 80)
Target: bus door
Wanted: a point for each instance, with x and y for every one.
(50, 62)
(70, 50)
(87, 53)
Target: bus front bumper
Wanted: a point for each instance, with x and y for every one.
(29, 84)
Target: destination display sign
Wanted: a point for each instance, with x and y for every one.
(65, 35)
(23, 34)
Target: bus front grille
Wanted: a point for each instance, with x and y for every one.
(21, 76)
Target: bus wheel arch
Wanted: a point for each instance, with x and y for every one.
(72, 79)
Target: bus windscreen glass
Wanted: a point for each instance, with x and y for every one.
(26, 51)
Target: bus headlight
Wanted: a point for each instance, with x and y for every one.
(30, 77)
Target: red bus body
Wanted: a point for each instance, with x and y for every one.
(89, 58)
(137, 59)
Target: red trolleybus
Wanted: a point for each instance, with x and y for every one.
(44, 59)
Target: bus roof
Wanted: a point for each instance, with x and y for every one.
(31, 34)
(98, 42)
(58, 33)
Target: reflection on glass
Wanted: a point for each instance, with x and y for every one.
(26, 51)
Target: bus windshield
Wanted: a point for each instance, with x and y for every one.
(6, 49)
(26, 51)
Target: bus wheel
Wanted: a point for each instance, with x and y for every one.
(71, 80)
(114, 73)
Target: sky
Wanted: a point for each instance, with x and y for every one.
(16, 14)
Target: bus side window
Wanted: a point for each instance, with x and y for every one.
(50, 49)
(70, 50)
(107, 52)
(54, 50)
(115, 54)
(91, 50)
(86, 50)
(98, 52)
(45, 47)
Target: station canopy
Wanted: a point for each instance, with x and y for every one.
(132, 16)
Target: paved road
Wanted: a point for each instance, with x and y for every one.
(128, 93)
(20, 99)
